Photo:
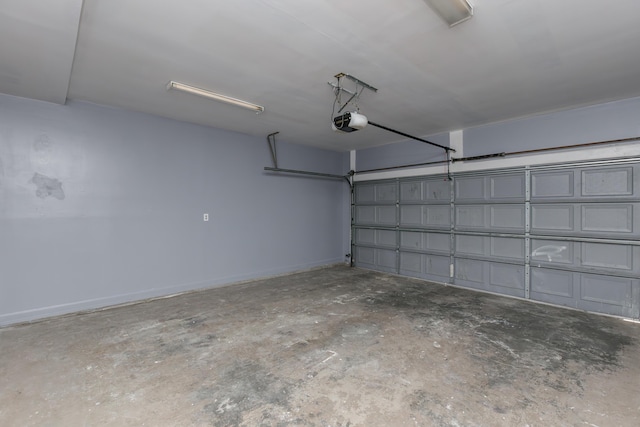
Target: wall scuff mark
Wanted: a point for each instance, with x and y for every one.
(47, 186)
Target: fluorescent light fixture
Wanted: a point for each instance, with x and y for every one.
(212, 95)
(452, 11)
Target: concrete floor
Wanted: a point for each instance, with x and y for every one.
(330, 347)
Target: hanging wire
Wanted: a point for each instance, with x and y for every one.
(355, 96)
(337, 91)
(348, 101)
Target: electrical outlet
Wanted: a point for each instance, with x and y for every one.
(205, 217)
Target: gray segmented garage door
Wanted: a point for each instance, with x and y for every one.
(566, 235)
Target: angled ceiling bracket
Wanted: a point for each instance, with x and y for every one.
(356, 80)
(338, 87)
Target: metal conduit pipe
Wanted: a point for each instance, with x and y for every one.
(502, 154)
(541, 150)
(437, 162)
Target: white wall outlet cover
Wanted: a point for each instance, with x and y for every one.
(205, 217)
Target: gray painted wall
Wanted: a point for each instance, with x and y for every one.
(613, 120)
(100, 206)
(402, 153)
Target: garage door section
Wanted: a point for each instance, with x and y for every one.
(489, 232)
(558, 234)
(585, 227)
(425, 211)
(375, 218)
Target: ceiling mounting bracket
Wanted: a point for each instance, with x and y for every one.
(338, 87)
(356, 80)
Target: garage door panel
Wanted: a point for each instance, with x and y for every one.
(607, 220)
(507, 217)
(425, 216)
(469, 272)
(386, 238)
(437, 191)
(437, 265)
(470, 217)
(552, 185)
(585, 184)
(411, 191)
(506, 248)
(428, 190)
(425, 266)
(552, 252)
(553, 286)
(437, 242)
(364, 236)
(507, 187)
(470, 245)
(376, 215)
(499, 218)
(606, 290)
(499, 248)
(470, 188)
(386, 259)
(616, 258)
(386, 215)
(508, 279)
(425, 241)
(365, 193)
(592, 292)
(376, 193)
(497, 188)
(411, 216)
(507, 276)
(411, 240)
(607, 182)
(411, 263)
(610, 256)
(375, 258)
(611, 295)
(437, 216)
(365, 257)
(552, 218)
(365, 214)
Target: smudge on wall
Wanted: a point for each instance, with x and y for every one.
(46, 186)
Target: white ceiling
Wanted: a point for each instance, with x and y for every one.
(513, 58)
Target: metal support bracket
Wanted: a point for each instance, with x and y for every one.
(271, 140)
(356, 80)
(301, 172)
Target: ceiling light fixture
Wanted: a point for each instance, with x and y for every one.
(216, 96)
(452, 11)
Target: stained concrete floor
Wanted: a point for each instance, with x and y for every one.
(330, 347)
